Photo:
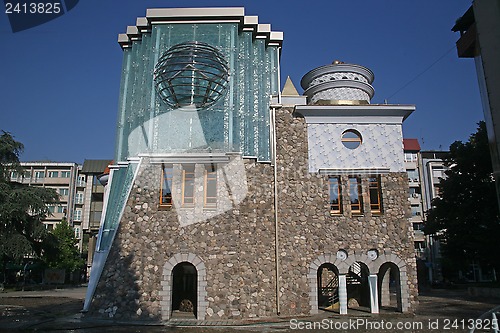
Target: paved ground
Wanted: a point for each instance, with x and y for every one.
(59, 311)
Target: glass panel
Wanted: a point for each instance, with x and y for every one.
(120, 185)
(210, 188)
(166, 186)
(355, 195)
(351, 139)
(375, 195)
(335, 195)
(238, 122)
(187, 187)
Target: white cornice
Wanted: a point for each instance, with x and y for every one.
(366, 114)
(200, 15)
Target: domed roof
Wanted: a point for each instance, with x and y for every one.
(338, 83)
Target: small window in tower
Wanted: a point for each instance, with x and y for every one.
(335, 195)
(351, 139)
(355, 195)
(375, 195)
(210, 187)
(188, 186)
(166, 186)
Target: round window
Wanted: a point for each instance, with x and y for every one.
(351, 139)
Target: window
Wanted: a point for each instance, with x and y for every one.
(61, 209)
(355, 195)
(77, 232)
(419, 246)
(210, 187)
(416, 211)
(51, 209)
(13, 175)
(53, 174)
(418, 226)
(414, 192)
(166, 186)
(78, 215)
(412, 175)
(65, 174)
(410, 157)
(351, 139)
(79, 198)
(437, 190)
(438, 173)
(375, 194)
(188, 187)
(335, 195)
(39, 174)
(64, 191)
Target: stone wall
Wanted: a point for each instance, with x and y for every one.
(236, 245)
(307, 231)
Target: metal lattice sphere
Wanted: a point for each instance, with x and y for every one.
(191, 73)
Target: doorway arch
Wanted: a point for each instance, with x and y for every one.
(328, 287)
(184, 288)
(389, 287)
(358, 288)
(185, 259)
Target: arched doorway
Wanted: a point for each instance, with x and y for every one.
(328, 287)
(389, 287)
(184, 290)
(358, 289)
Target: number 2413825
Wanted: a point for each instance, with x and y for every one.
(33, 8)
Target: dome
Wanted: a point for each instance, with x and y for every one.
(191, 74)
(338, 83)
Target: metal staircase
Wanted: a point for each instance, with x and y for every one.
(329, 294)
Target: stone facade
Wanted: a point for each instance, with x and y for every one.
(309, 232)
(233, 246)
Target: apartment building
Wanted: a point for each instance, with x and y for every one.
(89, 212)
(61, 177)
(433, 170)
(414, 171)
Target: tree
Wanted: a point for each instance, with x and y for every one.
(465, 216)
(66, 255)
(22, 208)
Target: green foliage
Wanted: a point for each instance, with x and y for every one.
(67, 255)
(10, 150)
(22, 208)
(465, 217)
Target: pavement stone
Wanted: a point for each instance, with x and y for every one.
(59, 311)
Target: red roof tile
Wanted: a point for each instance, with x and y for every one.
(411, 145)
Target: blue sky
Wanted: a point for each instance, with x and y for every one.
(65, 74)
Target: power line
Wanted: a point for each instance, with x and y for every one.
(423, 72)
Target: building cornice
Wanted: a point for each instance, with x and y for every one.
(200, 15)
(372, 113)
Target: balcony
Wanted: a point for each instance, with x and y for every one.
(413, 181)
(416, 218)
(411, 165)
(420, 253)
(419, 235)
(415, 199)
